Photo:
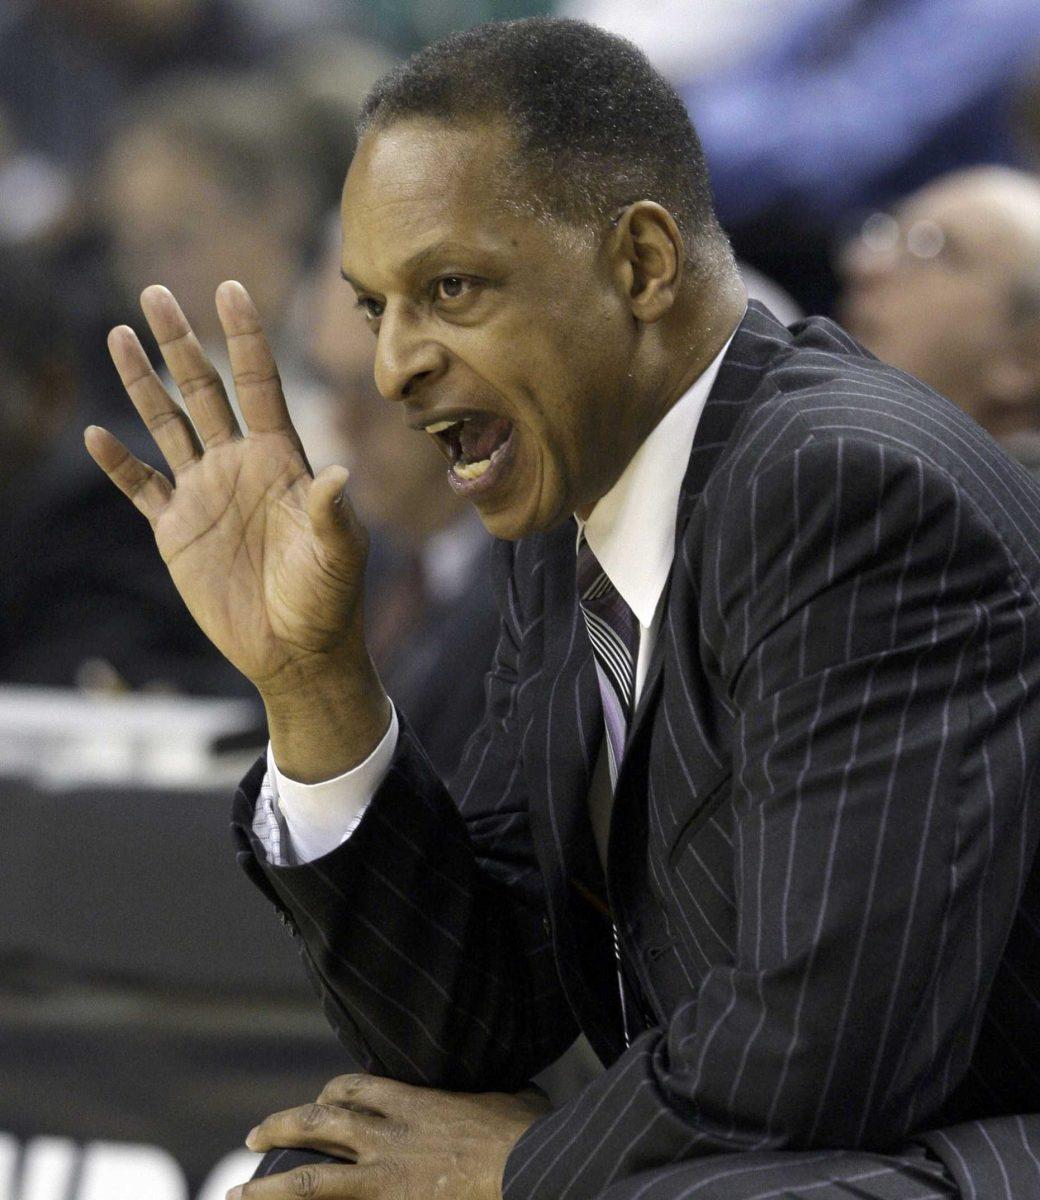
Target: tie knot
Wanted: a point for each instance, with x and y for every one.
(593, 583)
(614, 634)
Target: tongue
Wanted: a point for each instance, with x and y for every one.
(481, 436)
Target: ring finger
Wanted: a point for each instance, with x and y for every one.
(164, 418)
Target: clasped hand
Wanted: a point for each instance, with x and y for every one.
(398, 1142)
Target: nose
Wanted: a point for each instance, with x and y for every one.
(406, 356)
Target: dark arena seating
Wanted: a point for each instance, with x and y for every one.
(151, 1008)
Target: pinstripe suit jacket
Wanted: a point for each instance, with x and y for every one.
(821, 860)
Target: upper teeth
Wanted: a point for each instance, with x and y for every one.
(440, 426)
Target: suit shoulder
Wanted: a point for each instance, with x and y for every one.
(825, 398)
(828, 386)
(825, 388)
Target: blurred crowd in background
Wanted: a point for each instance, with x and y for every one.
(877, 161)
(872, 159)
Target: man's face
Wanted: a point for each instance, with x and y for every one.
(513, 325)
(928, 288)
(173, 217)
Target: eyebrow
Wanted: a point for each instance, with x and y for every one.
(422, 257)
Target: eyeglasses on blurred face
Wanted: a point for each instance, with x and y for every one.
(884, 240)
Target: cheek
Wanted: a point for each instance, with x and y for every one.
(958, 302)
(956, 331)
(556, 428)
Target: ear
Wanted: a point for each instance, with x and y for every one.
(649, 257)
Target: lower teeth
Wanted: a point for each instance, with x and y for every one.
(472, 470)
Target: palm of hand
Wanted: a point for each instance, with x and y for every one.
(239, 547)
(269, 561)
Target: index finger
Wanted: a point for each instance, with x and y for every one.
(325, 1127)
(257, 382)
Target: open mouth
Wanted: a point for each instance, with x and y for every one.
(476, 447)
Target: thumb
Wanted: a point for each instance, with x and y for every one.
(333, 520)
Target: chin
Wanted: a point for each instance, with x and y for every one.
(511, 523)
(508, 526)
(522, 507)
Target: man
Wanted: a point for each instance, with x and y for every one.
(948, 288)
(754, 800)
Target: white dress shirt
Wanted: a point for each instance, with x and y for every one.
(631, 531)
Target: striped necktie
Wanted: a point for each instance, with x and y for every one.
(614, 634)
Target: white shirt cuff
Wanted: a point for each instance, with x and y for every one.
(321, 816)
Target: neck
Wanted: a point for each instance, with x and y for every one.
(686, 349)
(705, 326)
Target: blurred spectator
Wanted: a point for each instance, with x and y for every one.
(431, 621)
(947, 287)
(84, 595)
(35, 195)
(331, 75)
(850, 106)
(211, 178)
(38, 364)
(860, 97)
(66, 65)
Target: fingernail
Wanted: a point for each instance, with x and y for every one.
(234, 1194)
(251, 1135)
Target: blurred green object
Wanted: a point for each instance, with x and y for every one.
(409, 24)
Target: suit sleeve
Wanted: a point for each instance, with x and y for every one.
(426, 931)
(867, 629)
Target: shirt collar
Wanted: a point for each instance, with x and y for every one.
(631, 530)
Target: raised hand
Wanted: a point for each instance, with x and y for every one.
(269, 560)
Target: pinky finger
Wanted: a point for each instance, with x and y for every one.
(147, 489)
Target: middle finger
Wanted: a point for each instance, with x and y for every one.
(199, 383)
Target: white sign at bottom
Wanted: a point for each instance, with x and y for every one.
(50, 1168)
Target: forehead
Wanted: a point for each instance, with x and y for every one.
(977, 216)
(422, 184)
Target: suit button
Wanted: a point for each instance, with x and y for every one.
(546, 927)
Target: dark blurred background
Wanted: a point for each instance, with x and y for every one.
(872, 159)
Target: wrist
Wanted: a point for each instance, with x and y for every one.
(325, 723)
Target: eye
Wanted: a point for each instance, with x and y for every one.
(453, 287)
(372, 309)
